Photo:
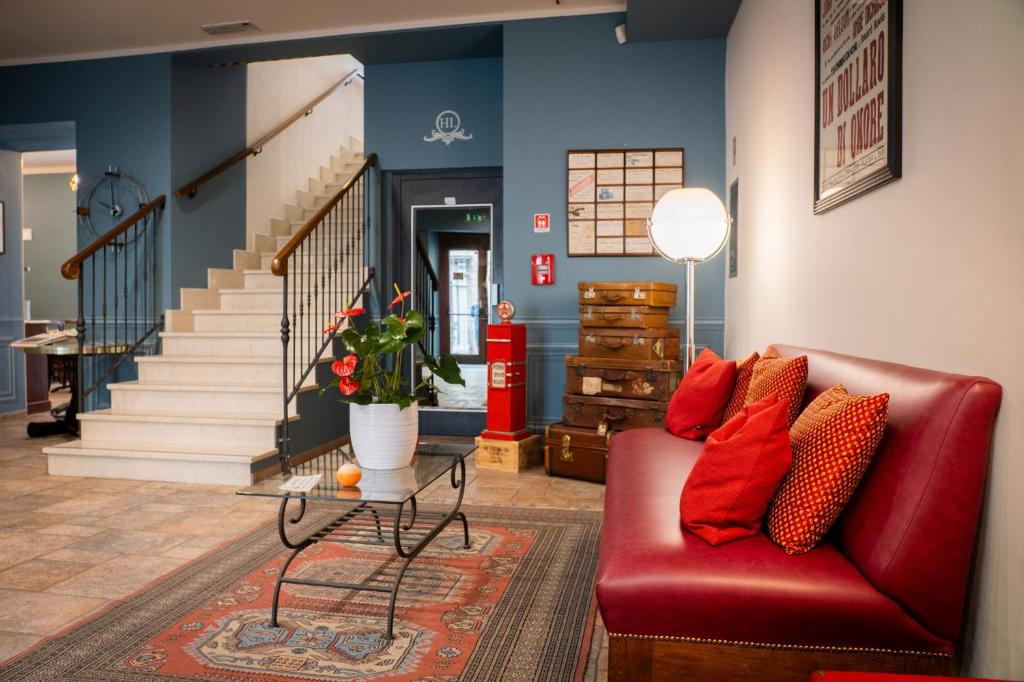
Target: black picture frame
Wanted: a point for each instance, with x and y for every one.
(734, 232)
(854, 27)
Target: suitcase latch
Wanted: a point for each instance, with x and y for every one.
(566, 452)
(589, 293)
(651, 375)
(638, 294)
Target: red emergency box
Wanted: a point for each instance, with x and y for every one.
(506, 382)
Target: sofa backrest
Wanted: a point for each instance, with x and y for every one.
(910, 527)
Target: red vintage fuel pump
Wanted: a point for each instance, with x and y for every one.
(506, 443)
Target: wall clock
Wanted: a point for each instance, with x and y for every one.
(108, 200)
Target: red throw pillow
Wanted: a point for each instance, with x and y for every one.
(728, 490)
(696, 407)
(833, 443)
(744, 371)
(785, 377)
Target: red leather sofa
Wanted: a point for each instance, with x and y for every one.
(886, 590)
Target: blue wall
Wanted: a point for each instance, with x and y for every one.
(207, 126)
(121, 109)
(402, 102)
(569, 85)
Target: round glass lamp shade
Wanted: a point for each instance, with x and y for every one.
(689, 224)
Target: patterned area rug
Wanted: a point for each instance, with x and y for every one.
(517, 605)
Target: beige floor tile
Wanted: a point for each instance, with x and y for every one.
(183, 552)
(41, 613)
(12, 643)
(129, 542)
(116, 578)
(70, 529)
(85, 556)
(16, 546)
(39, 574)
(94, 504)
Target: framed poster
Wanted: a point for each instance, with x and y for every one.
(858, 98)
(610, 195)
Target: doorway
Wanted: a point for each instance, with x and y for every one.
(465, 274)
(447, 225)
(455, 243)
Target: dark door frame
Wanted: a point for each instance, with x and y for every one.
(468, 240)
(431, 187)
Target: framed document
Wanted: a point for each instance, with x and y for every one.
(858, 104)
(610, 196)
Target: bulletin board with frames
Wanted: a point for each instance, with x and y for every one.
(610, 196)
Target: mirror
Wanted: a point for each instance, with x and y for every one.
(452, 267)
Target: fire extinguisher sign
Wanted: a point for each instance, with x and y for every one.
(543, 268)
(541, 223)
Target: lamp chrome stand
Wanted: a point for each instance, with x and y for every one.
(691, 349)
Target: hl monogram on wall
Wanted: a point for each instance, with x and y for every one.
(448, 128)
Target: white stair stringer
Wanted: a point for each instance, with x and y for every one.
(208, 408)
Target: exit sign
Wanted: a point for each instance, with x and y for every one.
(476, 216)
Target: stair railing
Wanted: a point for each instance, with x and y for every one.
(118, 300)
(426, 291)
(190, 189)
(323, 270)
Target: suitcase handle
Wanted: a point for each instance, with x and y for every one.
(611, 342)
(614, 375)
(609, 317)
(608, 296)
(610, 416)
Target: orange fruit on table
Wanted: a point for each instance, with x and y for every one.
(349, 474)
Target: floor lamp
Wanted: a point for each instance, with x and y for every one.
(689, 226)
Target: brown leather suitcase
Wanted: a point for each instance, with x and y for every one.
(611, 414)
(612, 378)
(656, 294)
(630, 344)
(628, 316)
(575, 453)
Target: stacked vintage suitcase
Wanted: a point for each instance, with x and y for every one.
(623, 378)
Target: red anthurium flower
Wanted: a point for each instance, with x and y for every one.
(348, 312)
(345, 367)
(398, 299)
(330, 328)
(347, 385)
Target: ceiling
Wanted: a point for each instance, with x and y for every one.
(649, 20)
(58, 30)
(57, 161)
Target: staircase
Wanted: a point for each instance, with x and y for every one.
(209, 407)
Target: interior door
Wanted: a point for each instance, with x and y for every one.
(465, 274)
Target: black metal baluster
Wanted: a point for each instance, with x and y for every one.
(283, 453)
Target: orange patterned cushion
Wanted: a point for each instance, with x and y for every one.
(744, 370)
(785, 377)
(833, 442)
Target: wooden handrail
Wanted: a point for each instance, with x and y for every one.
(426, 261)
(72, 267)
(256, 147)
(279, 266)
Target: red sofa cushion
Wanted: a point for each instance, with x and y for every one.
(740, 468)
(697, 405)
(654, 578)
(786, 377)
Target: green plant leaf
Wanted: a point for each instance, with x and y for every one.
(446, 368)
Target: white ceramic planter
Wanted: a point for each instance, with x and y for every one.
(384, 437)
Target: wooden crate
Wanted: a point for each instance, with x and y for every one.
(508, 455)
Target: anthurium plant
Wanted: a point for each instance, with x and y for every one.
(365, 375)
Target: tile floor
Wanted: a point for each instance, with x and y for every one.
(70, 546)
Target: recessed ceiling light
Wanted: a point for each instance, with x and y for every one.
(229, 27)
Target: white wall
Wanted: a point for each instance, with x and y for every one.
(274, 91)
(928, 270)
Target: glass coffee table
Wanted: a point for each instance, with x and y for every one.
(381, 510)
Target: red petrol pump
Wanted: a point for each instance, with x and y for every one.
(506, 443)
